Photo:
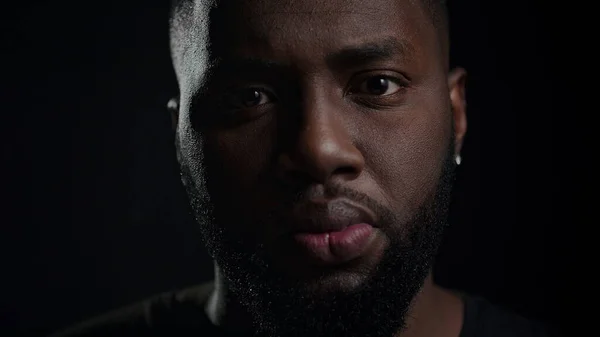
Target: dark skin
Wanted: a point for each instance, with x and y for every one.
(356, 94)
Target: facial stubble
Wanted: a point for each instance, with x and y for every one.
(280, 306)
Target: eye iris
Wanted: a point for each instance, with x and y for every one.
(250, 97)
(378, 85)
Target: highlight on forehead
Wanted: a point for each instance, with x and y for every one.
(184, 25)
(182, 11)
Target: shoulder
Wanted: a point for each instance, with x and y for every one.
(482, 318)
(168, 314)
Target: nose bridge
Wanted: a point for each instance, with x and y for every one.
(323, 145)
(321, 130)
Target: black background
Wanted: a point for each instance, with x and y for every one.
(95, 217)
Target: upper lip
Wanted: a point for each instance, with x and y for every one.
(321, 216)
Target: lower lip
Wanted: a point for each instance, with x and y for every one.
(336, 247)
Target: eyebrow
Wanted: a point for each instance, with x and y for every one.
(249, 65)
(369, 52)
(347, 57)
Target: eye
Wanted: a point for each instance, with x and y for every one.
(379, 86)
(246, 98)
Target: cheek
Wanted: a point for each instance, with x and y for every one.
(406, 155)
(242, 154)
(236, 161)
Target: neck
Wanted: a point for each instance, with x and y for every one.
(435, 312)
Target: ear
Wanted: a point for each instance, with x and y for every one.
(173, 107)
(456, 84)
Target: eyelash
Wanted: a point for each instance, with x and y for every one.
(263, 91)
(401, 83)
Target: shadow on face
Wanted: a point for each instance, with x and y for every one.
(302, 119)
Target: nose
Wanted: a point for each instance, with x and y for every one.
(322, 147)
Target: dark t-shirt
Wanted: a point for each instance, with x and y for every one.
(179, 314)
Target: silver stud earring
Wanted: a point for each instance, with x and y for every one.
(173, 105)
(457, 159)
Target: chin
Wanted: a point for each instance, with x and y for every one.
(340, 282)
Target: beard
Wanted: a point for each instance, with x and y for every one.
(283, 306)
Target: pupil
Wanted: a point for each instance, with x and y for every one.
(378, 85)
(251, 97)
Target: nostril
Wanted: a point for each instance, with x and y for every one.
(347, 171)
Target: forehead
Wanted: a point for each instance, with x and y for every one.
(315, 26)
(304, 32)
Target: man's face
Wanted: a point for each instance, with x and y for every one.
(316, 141)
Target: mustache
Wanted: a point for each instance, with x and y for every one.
(334, 190)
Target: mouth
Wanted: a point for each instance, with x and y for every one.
(325, 216)
(333, 248)
(332, 232)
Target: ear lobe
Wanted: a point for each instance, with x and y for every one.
(456, 84)
(173, 107)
